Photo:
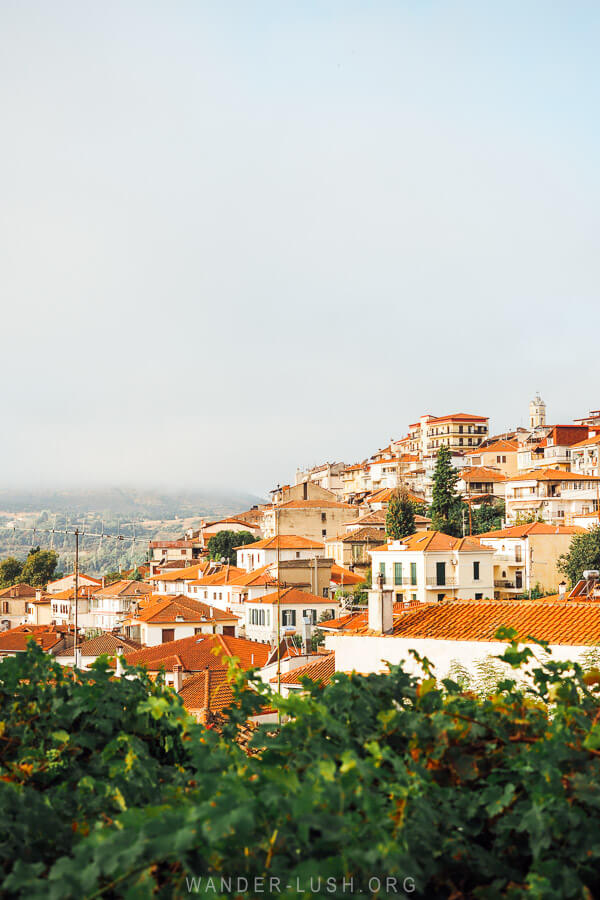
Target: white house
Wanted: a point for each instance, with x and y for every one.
(294, 605)
(110, 606)
(554, 495)
(430, 565)
(286, 546)
(68, 583)
(459, 633)
(158, 620)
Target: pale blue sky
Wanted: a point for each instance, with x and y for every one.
(235, 237)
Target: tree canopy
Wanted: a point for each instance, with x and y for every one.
(223, 544)
(400, 516)
(583, 553)
(37, 570)
(446, 507)
(109, 790)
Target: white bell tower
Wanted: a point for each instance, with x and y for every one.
(537, 412)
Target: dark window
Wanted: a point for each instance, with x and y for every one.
(398, 573)
(475, 571)
(440, 597)
(168, 634)
(413, 573)
(440, 573)
(288, 617)
(479, 596)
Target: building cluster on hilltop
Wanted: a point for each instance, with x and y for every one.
(320, 547)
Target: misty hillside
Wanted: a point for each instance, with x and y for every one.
(42, 518)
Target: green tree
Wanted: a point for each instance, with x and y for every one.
(10, 571)
(583, 553)
(223, 544)
(109, 790)
(446, 508)
(487, 517)
(400, 516)
(39, 567)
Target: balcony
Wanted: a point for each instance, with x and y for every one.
(449, 581)
(506, 585)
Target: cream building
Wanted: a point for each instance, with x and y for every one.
(294, 605)
(527, 555)
(555, 496)
(314, 519)
(430, 565)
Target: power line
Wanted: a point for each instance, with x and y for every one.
(34, 530)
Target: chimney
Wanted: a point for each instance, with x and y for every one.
(177, 677)
(306, 633)
(305, 490)
(119, 669)
(210, 612)
(381, 605)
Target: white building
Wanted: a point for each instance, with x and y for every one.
(159, 620)
(294, 605)
(284, 547)
(110, 606)
(553, 495)
(430, 565)
(68, 583)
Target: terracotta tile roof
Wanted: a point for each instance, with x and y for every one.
(195, 653)
(365, 535)
(322, 670)
(162, 610)
(314, 504)
(562, 622)
(481, 473)
(501, 446)
(384, 495)
(18, 592)
(232, 520)
(432, 541)
(85, 591)
(589, 442)
(224, 575)
(285, 542)
(47, 636)
(458, 416)
(107, 642)
(184, 574)
(193, 690)
(517, 531)
(82, 576)
(123, 588)
(376, 517)
(340, 575)
(551, 475)
(293, 595)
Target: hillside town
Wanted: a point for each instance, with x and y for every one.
(326, 577)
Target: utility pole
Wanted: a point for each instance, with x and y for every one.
(278, 609)
(76, 640)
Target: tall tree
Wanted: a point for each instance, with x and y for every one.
(223, 544)
(10, 571)
(583, 553)
(400, 517)
(39, 567)
(446, 508)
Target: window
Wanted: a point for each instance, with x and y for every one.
(440, 597)
(440, 573)
(382, 569)
(297, 554)
(323, 517)
(479, 596)
(413, 573)
(326, 592)
(324, 533)
(310, 614)
(288, 617)
(413, 597)
(475, 571)
(197, 631)
(398, 573)
(168, 634)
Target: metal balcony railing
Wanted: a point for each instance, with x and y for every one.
(448, 581)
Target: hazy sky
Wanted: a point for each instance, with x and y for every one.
(240, 236)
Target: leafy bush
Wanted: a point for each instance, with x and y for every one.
(108, 790)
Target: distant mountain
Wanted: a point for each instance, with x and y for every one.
(127, 502)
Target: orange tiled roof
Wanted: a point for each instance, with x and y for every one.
(15, 639)
(364, 535)
(517, 531)
(193, 690)
(589, 442)
(551, 475)
(123, 588)
(172, 609)
(340, 575)
(285, 542)
(292, 595)
(195, 653)
(481, 473)
(18, 591)
(107, 642)
(384, 495)
(501, 446)
(184, 574)
(433, 541)
(322, 670)
(314, 504)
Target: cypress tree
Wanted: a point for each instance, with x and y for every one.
(400, 517)
(446, 506)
